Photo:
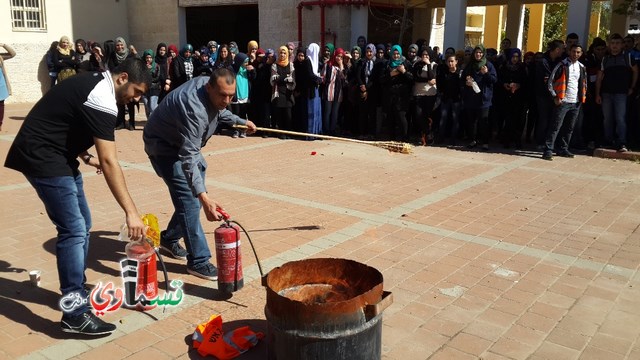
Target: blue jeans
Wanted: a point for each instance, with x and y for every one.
(67, 207)
(185, 221)
(329, 116)
(562, 123)
(449, 114)
(614, 108)
(150, 104)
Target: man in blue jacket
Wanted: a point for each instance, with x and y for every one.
(173, 138)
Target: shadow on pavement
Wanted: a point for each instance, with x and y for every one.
(14, 293)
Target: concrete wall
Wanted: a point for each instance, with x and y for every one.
(155, 21)
(89, 19)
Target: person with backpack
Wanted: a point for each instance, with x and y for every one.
(616, 80)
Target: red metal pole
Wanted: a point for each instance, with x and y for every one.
(322, 5)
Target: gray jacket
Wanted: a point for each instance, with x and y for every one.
(182, 124)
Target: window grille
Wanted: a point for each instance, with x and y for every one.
(28, 15)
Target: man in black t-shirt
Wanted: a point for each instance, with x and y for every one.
(615, 83)
(71, 118)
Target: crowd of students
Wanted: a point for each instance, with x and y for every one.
(476, 96)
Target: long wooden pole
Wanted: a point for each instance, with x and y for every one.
(389, 145)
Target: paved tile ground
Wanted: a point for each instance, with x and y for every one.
(488, 255)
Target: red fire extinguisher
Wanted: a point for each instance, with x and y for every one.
(147, 279)
(228, 255)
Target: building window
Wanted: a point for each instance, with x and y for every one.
(28, 15)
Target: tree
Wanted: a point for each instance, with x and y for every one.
(554, 22)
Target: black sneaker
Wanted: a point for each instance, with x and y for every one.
(547, 156)
(622, 149)
(173, 248)
(87, 324)
(206, 271)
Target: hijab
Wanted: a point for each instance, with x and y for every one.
(283, 62)
(185, 48)
(153, 60)
(122, 55)
(64, 51)
(172, 47)
(331, 48)
(338, 52)
(233, 48)
(395, 63)
(242, 81)
(478, 64)
(213, 56)
(252, 45)
(313, 53)
(161, 59)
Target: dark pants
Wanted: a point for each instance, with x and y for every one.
(131, 108)
(1, 112)
(561, 127)
(449, 119)
(366, 116)
(282, 116)
(513, 121)
(422, 115)
(545, 116)
(478, 127)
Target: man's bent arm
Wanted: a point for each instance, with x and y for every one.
(115, 180)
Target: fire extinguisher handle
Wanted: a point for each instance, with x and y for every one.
(224, 214)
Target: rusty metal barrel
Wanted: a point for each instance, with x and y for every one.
(325, 309)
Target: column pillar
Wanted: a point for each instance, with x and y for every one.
(536, 28)
(455, 23)
(515, 17)
(492, 26)
(578, 19)
(618, 22)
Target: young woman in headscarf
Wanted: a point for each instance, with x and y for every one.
(398, 82)
(182, 67)
(327, 53)
(233, 49)
(252, 49)
(283, 83)
(213, 51)
(245, 73)
(261, 89)
(479, 77)
(64, 59)
(333, 75)
(314, 105)
(83, 56)
(302, 68)
(120, 53)
(162, 62)
(150, 99)
(424, 92)
(512, 82)
(367, 99)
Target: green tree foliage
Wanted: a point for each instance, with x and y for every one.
(556, 17)
(554, 22)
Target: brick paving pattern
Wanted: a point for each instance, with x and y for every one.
(488, 255)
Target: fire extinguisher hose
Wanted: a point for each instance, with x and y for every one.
(164, 271)
(250, 243)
